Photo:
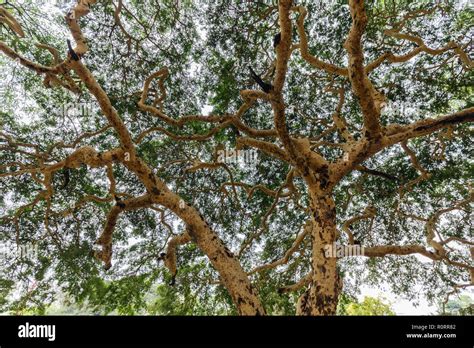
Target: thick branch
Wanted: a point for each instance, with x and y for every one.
(361, 85)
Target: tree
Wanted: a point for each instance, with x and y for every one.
(361, 142)
(462, 305)
(369, 306)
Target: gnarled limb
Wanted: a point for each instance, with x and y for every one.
(7, 18)
(304, 50)
(268, 148)
(298, 285)
(393, 134)
(424, 175)
(294, 247)
(170, 255)
(361, 85)
(368, 213)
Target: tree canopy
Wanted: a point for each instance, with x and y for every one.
(140, 160)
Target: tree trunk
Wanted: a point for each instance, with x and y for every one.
(322, 295)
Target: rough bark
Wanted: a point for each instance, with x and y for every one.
(322, 295)
(233, 276)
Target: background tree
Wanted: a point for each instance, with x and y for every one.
(368, 306)
(108, 153)
(459, 305)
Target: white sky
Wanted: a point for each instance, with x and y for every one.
(399, 305)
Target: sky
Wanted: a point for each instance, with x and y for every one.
(400, 306)
(403, 306)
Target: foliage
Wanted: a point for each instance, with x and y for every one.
(369, 306)
(461, 305)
